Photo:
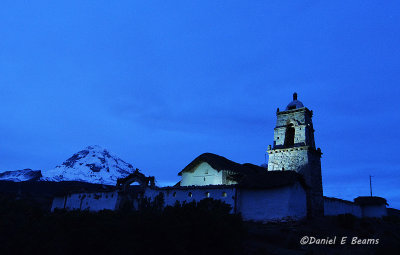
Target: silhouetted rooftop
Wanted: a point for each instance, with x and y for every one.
(221, 163)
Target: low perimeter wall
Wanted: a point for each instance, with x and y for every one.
(258, 205)
(335, 206)
(92, 201)
(287, 202)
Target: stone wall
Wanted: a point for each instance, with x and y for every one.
(288, 159)
(301, 121)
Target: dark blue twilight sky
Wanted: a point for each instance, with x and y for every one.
(160, 82)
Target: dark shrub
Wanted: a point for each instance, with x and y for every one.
(346, 220)
(202, 228)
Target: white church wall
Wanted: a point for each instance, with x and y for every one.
(374, 211)
(73, 201)
(171, 195)
(202, 175)
(58, 203)
(100, 201)
(297, 201)
(257, 205)
(334, 206)
(87, 201)
(273, 204)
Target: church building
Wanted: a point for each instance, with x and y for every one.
(289, 188)
(293, 150)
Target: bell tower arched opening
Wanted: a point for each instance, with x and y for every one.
(289, 136)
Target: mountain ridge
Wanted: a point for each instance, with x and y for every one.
(21, 175)
(93, 164)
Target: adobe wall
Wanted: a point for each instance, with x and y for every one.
(94, 201)
(306, 162)
(203, 174)
(258, 205)
(273, 204)
(58, 203)
(190, 194)
(374, 211)
(333, 206)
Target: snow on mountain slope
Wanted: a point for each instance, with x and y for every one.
(93, 164)
(20, 175)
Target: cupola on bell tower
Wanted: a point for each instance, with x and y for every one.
(294, 149)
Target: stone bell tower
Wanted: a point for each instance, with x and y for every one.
(294, 149)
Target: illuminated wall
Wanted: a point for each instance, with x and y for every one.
(203, 174)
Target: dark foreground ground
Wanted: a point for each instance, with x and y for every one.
(27, 227)
(285, 238)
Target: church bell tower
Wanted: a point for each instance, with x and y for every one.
(294, 149)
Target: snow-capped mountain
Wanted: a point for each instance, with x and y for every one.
(93, 164)
(20, 175)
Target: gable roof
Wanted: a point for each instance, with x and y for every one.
(220, 163)
(265, 180)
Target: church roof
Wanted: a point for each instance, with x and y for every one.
(247, 175)
(221, 163)
(271, 179)
(265, 180)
